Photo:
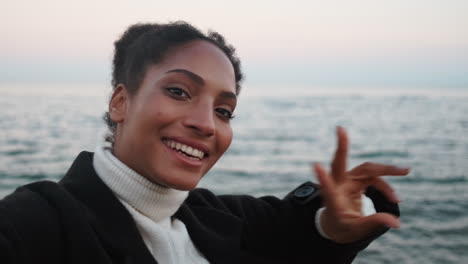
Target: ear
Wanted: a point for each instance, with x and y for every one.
(118, 104)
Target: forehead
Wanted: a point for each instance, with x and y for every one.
(203, 59)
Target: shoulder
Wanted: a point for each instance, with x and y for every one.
(43, 196)
(37, 204)
(29, 222)
(30, 199)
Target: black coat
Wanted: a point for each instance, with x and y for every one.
(79, 220)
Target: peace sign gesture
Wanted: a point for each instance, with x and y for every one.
(342, 220)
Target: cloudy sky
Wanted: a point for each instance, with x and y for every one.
(405, 43)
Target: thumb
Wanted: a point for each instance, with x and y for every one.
(371, 223)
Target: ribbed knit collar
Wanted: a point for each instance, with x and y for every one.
(152, 200)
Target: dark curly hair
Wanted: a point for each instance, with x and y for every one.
(142, 45)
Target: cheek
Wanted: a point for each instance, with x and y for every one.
(158, 115)
(225, 138)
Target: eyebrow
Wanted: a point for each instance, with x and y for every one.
(229, 95)
(198, 79)
(195, 77)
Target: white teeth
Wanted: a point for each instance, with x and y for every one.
(194, 153)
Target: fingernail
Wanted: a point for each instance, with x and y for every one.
(394, 197)
(398, 199)
(394, 225)
(318, 167)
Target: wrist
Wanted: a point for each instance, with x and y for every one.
(318, 223)
(333, 230)
(324, 222)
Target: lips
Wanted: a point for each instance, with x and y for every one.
(189, 149)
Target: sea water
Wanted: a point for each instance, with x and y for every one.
(277, 136)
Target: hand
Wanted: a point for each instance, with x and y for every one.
(342, 219)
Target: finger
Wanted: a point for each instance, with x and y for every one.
(378, 183)
(386, 189)
(371, 170)
(339, 161)
(326, 184)
(372, 223)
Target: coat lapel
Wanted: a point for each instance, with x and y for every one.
(216, 234)
(111, 221)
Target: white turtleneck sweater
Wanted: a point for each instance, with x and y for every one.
(151, 206)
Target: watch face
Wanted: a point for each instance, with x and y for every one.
(304, 191)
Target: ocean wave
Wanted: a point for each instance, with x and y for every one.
(381, 154)
(25, 178)
(418, 180)
(17, 152)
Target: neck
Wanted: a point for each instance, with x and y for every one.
(152, 200)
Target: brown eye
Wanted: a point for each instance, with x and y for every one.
(224, 113)
(177, 92)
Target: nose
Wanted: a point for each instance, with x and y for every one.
(201, 120)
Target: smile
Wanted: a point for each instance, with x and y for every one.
(192, 153)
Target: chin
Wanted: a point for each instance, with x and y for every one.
(183, 186)
(183, 183)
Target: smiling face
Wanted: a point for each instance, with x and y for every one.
(177, 125)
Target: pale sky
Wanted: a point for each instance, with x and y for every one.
(417, 43)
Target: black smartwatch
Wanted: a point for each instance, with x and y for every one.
(306, 192)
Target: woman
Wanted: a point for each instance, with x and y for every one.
(135, 201)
